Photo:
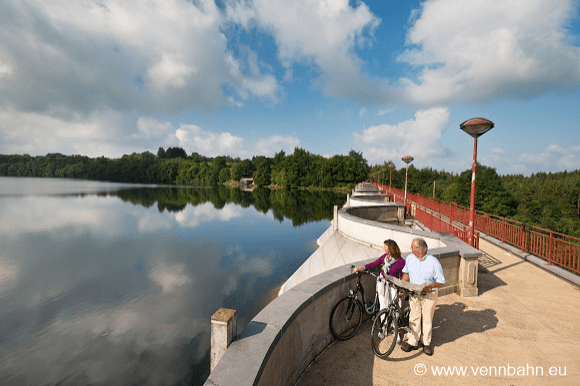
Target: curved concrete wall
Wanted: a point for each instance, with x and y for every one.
(286, 336)
(373, 232)
(370, 199)
(351, 239)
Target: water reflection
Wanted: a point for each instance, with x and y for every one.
(96, 291)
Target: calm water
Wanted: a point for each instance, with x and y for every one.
(111, 284)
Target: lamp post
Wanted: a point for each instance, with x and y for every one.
(407, 159)
(383, 178)
(475, 127)
(391, 166)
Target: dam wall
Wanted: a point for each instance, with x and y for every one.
(285, 337)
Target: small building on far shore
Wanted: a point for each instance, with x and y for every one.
(247, 184)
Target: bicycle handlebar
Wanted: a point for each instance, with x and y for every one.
(352, 267)
(380, 278)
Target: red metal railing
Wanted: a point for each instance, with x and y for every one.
(555, 248)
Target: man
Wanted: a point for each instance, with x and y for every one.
(424, 269)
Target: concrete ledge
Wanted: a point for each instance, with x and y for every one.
(286, 336)
(371, 232)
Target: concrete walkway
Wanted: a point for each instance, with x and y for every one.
(521, 330)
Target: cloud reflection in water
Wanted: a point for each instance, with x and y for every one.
(94, 290)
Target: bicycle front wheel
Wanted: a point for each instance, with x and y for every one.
(345, 318)
(384, 333)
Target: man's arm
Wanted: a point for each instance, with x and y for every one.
(429, 287)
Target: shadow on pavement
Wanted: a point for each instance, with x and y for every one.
(488, 281)
(453, 321)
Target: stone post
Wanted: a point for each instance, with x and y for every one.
(401, 214)
(223, 332)
(468, 276)
(335, 219)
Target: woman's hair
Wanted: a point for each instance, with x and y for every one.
(394, 250)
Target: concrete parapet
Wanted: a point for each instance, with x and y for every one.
(368, 200)
(286, 336)
(355, 235)
(385, 213)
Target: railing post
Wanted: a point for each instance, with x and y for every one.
(487, 225)
(551, 248)
(223, 331)
(503, 230)
(523, 238)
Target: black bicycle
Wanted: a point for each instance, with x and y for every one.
(346, 315)
(393, 321)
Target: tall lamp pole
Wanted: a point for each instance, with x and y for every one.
(407, 159)
(475, 127)
(383, 177)
(391, 166)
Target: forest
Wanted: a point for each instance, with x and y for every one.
(547, 200)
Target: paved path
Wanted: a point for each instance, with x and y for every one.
(523, 325)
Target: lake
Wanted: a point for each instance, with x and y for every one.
(114, 284)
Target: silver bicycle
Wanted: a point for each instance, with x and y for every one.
(392, 322)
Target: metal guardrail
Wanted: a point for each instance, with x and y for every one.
(556, 248)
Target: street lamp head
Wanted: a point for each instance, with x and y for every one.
(407, 159)
(476, 126)
(391, 166)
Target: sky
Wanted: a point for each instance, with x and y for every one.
(244, 78)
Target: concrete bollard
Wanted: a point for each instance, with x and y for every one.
(223, 332)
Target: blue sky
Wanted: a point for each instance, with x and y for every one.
(244, 78)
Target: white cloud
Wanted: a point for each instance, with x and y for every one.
(194, 139)
(419, 137)
(271, 145)
(324, 33)
(478, 50)
(121, 55)
(149, 127)
(170, 73)
(100, 133)
(554, 158)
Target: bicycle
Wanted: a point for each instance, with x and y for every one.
(346, 315)
(392, 322)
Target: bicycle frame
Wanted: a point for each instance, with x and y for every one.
(392, 322)
(373, 307)
(402, 314)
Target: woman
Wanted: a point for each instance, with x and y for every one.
(392, 264)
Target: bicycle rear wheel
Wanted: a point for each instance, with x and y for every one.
(345, 318)
(384, 333)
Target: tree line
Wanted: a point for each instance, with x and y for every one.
(174, 167)
(547, 200)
